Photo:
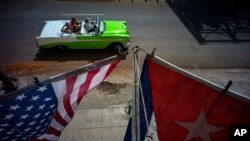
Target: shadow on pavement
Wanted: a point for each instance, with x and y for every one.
(214, 20)
(73, 55)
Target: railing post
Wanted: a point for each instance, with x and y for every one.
(9, 86)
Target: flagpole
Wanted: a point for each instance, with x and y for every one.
(62, 76)
(135, 99)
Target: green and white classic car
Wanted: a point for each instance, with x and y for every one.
(107, 34)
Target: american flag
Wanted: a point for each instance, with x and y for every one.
(42, 114)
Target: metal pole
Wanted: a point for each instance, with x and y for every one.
(133, 129)
(9, 86)
(135, 99)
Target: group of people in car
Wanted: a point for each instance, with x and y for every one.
(73, 26)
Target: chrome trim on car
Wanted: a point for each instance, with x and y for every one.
(127, 45)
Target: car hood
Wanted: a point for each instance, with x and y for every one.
(52, 28)
(116, 27)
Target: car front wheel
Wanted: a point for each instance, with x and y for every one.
(118, 48)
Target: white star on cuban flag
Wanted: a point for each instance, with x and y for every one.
(199, 128)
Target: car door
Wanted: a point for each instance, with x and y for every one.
(92, 41)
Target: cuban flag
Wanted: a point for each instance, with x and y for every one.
(42, 113)
(177, 106)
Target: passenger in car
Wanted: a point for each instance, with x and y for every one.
(75, 25)
(77, 30)
(73, 22)
(67, 28)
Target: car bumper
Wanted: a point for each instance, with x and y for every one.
(126, 45)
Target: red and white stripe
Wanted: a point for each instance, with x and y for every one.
(69, 93)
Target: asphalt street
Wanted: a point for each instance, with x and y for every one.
(151, 25)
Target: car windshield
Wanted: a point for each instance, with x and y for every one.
(97, 21)
(99, 25)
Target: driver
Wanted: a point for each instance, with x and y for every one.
(88, 26)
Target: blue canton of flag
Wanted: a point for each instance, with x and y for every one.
(28, 115)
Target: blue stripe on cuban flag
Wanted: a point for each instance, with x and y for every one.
(128, 131)
(146, 110)
(146, 94)
(28, 115)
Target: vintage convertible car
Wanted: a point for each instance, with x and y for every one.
(107, 34)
